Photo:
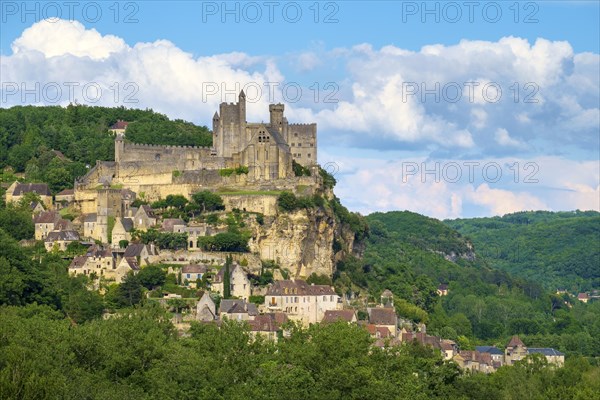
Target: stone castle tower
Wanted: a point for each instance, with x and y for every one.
(263, 145)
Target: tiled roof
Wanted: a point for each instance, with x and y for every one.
(98, 251)
(267, 323)
(382, 316)
(66, 192)
(62, 235)
(39, 188)
(298, 287)
(46, 217)
(234, 306)
(136, 249)
(193, 269)
(78, 262)
(132, 262)
(169, 223)
(338, 315)
(120, 124)
(515, 341)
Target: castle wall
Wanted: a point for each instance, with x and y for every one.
(302, 139)
(264, 204)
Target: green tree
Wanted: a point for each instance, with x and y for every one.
(227, 277)
(152, 276)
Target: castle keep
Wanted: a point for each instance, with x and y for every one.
(265, 149)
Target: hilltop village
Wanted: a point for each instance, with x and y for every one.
(240, 229)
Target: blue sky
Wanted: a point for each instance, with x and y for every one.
(375, 61)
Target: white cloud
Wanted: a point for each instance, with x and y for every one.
(67, 37)
(503, 138)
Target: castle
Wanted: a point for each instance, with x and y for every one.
(266, 152)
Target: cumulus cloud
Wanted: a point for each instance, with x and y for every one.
(475, 100)
(432, 187)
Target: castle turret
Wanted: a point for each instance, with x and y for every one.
(119, 147)
(276, 113)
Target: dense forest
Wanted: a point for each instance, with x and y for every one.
(410, 254)
(136, 354)
(56, 144)
(558, 249)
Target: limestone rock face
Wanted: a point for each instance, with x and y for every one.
(302, 242)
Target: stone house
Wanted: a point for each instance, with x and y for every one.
(553, 356)
(64, 198)
(17, 190)
(515, 351)
(173, 225)
(124, 267)
(36, 207)
(144, 253)
(44, 223)
(60, 239)
(95, 227)
(97, 260)
(119, 127)
(384, 316)
(268, 326)
(495, 353)
(121, 230)
(583, 297)
(237, 310)
(240, 284)
(442, 289)
(144, 218)
(301, 301)
(192, 272)
(206, 309)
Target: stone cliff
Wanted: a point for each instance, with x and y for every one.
(304, 242)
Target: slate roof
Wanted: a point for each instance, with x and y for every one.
(489, 349)
(39, 188)
(545, 351)
(90, 217)
(218, 278)
(127, 224)
(234, 306)
(148, 210)
(135, 250)
(62, 235)
(298, 287)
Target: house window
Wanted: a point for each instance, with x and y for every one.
(299, 144)
(324, 298)
(189, 276)
(308, 155)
